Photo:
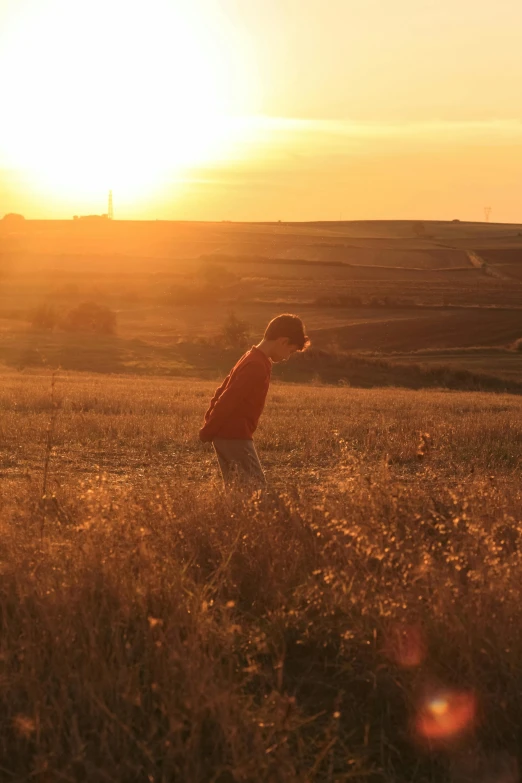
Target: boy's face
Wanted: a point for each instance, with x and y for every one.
(283, 349)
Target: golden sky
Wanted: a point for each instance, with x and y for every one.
(261, 109)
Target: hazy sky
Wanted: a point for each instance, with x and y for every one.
(262, 109)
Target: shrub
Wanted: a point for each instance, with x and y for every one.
(236, 333)
(44, 318)
(90, 317)
(13, 220)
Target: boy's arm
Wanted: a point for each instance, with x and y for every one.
(216, 396)
(245, 381)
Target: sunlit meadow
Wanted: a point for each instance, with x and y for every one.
(361, 622)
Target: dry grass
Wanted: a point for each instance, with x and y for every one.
(154, 630)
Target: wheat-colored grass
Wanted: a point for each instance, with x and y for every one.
(153, 629)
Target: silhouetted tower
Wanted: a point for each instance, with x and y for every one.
(111, 211)
(487, 213)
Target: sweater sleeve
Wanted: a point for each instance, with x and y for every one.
(216, 396)
(245, 381)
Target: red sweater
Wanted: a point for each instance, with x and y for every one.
(237, 405)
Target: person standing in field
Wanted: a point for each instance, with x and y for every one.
(236, 406)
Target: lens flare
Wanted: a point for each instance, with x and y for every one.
(446, 714)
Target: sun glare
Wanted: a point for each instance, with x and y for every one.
(446, 714)
(113, 94)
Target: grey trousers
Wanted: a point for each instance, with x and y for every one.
(239, 463)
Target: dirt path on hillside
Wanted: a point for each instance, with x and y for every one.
(480, 263)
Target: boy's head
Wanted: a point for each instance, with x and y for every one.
(287, 334)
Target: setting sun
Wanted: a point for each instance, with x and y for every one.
(116, 95)
(259, 109)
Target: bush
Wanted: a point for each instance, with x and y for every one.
(236, 333)
(13, 220)
(44, 318)
(90, 317)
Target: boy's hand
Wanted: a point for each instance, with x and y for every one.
(204, 438)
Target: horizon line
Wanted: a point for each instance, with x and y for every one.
(105, 220)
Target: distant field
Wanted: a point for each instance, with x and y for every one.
(513, 271)
(506, 260)
(375, 287)
(446, 329)
(504, 364)
(503, 255)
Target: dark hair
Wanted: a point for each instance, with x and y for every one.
(290, 326)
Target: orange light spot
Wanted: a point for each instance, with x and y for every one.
(445, 714)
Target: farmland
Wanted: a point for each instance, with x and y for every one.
(361, 621)
(375, 288)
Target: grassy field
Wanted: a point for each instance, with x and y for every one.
(361, 621)
(154, 630)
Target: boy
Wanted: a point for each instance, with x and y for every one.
(236, 406)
